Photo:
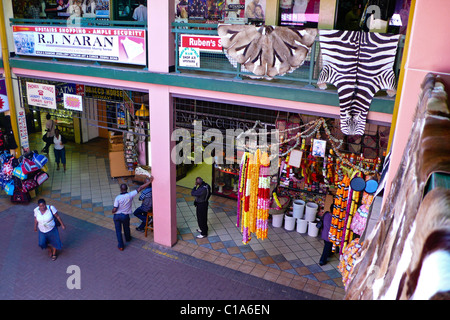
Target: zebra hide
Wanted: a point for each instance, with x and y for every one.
(266, 51)
(359, 64)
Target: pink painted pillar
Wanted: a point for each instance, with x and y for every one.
(161, 46)
(163, 169)
(428, 52)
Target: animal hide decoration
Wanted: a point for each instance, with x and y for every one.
(406, 255)
(359, 64)
(267, 51)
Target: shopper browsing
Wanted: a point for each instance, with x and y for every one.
(122, 210)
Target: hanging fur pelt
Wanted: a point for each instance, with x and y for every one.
(266, 51)
(406, 256)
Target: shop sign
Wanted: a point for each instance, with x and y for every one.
(23, 132)
(69, 88)
(73, 102)
(103, 93)
(41, 95)
(203, 43)
(99, 44)
(4, 103)
(189, 57)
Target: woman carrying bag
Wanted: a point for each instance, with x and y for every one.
(50, 132)
(60, 151)
(46, 220)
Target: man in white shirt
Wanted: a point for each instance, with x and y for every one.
(122, 210)
(140, 13)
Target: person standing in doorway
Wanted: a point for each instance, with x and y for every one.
(44, 223)
(60, 150)
(140, 13)
(202, 193)
(50, 128)
(122, 211)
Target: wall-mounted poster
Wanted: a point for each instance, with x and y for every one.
(299, 12)
(4, 103)
(255, 10)
(197, 10)
(216, 9)
(235, 11)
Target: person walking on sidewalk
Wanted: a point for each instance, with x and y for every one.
(202, 193)
(60, 150)
(122, 211)
(146, 206)
(44, 223)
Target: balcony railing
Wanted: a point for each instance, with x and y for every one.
(218, 63)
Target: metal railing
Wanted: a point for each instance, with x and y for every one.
(219, 63)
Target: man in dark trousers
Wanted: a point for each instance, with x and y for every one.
(201, 192)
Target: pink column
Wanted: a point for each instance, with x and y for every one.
(163, 169)
(428, 52)
(161, 45)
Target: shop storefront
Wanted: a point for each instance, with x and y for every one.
(316, 162)
(83, 113)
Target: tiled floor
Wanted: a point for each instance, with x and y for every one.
(291, 256)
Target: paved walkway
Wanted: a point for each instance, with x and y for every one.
(143, 270)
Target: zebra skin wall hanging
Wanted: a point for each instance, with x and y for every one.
(266, 51)
(359, 64)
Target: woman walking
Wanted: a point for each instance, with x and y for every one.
(45, 224)
(60, 151)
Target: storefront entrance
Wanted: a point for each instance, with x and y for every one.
(117, 117)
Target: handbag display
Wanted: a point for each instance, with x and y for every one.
(9, 188)
(18, 172)
(29, 166)
(41, 177)
(40, 160)
(29, 184)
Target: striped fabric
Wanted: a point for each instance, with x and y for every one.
(359, 64)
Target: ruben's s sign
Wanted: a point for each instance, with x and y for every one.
(203, 43)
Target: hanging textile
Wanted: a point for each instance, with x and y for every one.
(359, 64)
(254, 195)
(266, 51)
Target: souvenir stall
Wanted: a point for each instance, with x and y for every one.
(19, 177)
(315, 173)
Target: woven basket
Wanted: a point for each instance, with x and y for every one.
(284, 201)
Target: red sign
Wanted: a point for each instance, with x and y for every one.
(204, 43)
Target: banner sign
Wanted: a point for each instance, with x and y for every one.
(4, 103)
(203, 43)
(73, 102)
(99, 44)
(41, 95)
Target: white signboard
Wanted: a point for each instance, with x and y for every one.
(189, 57)
(73, 102)
(97, 44)
(41, 95)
